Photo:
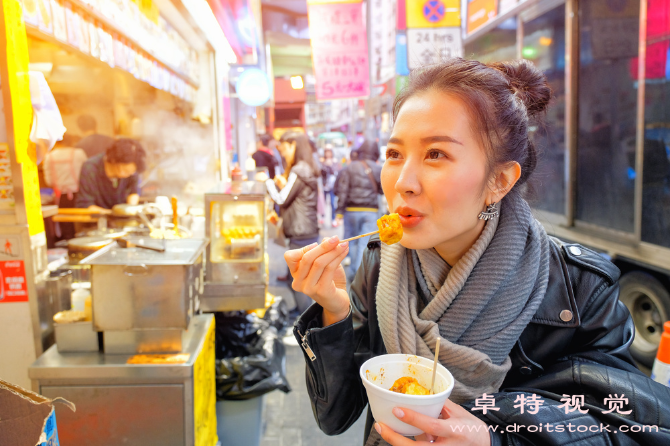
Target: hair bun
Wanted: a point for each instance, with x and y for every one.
(527, 82)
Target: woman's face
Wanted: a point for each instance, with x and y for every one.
(435, 174)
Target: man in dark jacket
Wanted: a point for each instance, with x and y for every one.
(576, 345)
(92, 142)
(358, 187)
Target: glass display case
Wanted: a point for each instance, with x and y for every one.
(236, 231)
(235, 276)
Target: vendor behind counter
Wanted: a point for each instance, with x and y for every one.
(113, 177)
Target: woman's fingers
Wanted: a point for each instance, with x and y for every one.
(395, 439)
(320, 278)
(294, 256)
(308, 258)
(432, 426)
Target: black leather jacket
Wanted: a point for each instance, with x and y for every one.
(354, 187)
(299, 211)
(576, 344)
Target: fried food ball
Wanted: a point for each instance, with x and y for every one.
(408, 386)
(390, 229)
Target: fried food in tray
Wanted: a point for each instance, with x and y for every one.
(390, 229)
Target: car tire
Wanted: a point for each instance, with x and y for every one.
(649, 304)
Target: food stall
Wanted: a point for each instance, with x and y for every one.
(141, 371)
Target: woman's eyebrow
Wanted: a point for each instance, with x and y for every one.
(439, 138)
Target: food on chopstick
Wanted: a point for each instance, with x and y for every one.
(408, 386)
(390, 228)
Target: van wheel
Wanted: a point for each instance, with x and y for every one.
(649, 304)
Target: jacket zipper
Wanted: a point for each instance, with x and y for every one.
(306, 347)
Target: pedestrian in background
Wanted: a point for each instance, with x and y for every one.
(329, 170)
(264, 156)
(273, 145)
(92, 142)
(62, 168)
(296, 193)
(358, 189)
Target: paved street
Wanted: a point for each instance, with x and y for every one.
(288, 418)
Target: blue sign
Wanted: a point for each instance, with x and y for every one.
(401, 66)
(253, 87)
(433, 10)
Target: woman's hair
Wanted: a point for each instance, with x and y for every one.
(303, 150)
(502, 98)
(126, 150)
(265, 139)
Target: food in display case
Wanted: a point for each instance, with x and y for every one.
(237, 231)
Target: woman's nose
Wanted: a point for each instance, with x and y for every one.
(408, 181)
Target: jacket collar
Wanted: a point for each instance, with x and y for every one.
(559, 306)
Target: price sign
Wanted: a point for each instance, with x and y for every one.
(340, 50)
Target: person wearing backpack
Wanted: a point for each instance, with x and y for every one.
(358, 187)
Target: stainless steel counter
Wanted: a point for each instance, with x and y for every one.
(130, 404)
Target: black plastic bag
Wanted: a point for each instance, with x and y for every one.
(251, 358)
(278, 314)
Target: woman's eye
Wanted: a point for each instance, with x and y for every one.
(392, 154)
(435, 154)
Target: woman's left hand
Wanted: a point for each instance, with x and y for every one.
(456, 426)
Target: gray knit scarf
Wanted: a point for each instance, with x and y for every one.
(479, 307)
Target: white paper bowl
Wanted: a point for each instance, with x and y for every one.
(378, 375)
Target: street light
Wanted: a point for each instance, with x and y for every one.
(297, 83)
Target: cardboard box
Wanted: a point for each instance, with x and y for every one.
(26, 418)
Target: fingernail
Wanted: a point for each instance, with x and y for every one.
(398, 412)
(344, 245)
(333, 240)
(378, 428)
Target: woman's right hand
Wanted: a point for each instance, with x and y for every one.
(317, 272)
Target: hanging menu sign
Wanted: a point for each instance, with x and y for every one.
(382, 40)
(339, 50)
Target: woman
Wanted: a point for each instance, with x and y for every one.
(358, 189)
(112, 178)
(518, 313)
(298, 197)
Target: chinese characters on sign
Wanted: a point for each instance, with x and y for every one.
(340, 50)
(431, 45)
(433, 31)
(382, 40)
(13, 277)
(532, 403)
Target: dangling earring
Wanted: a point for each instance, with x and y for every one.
(490, 213)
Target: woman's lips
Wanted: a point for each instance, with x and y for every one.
(409, 221)
(409, 217)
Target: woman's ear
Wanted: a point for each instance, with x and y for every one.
(503, 181)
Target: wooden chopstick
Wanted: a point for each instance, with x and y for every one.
(359, 236)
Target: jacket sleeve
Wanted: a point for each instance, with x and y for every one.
(334, 355)
(595, 366)
(286, 196)
(342, 191)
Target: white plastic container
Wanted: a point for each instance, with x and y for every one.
(378, 375)
(79, 298)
